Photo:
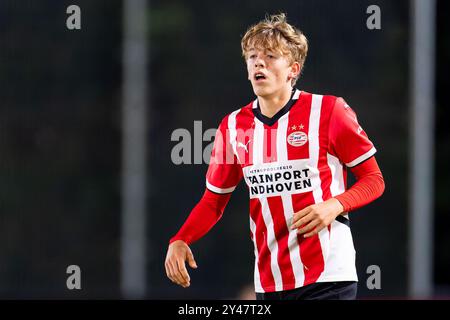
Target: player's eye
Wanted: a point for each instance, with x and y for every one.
(252, 56)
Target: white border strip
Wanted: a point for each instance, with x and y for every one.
(219, 190)
(360, 159)
(233, 131)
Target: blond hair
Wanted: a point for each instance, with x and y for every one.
(274, 33)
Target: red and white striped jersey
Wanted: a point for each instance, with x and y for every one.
(297, 158)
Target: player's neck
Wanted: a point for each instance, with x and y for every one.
(271, 104)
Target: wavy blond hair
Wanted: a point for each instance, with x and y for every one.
(274, 33)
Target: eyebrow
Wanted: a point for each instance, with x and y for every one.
(265, 50)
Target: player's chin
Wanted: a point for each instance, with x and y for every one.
(260, 90)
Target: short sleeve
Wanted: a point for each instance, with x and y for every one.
(224, 172)
(347, 139)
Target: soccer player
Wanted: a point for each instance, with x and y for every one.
(293, 149)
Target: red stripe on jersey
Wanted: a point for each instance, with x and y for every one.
(265, 271)
(325, 172)
(300, 110)
(282, 236)
(310, 248)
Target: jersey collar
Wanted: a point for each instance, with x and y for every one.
(271, 121)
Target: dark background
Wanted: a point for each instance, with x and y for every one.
(60, 138)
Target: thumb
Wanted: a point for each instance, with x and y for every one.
(191, 260)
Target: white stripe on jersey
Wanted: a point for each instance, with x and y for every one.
(360, 159)
(257, 279)
(233, 131)
(272, 243)
(314, 146)
(337, 175)
(294, 248)
(313, 136)
(282, 155)
(218, 190)
(258, 141)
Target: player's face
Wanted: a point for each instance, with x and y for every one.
(270, 72)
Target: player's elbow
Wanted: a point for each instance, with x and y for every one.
(380, 185)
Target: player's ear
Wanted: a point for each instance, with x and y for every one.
(295, 70)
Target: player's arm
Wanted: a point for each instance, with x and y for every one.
(201, 219)
(368, 187)
(224, 173)
(351, 145)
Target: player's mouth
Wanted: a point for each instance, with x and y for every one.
(259, 76)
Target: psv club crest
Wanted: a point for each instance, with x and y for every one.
(297, 138)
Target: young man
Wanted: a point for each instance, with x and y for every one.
(293, 149)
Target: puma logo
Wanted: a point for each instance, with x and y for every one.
(240, 144)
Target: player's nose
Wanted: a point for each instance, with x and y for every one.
(259, 62)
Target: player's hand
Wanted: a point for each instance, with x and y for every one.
(314, 218)
(177, 255)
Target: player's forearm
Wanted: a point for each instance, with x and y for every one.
(363, 192)
(368, 187)
(203, 217)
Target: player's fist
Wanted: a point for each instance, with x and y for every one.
(177, 255)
